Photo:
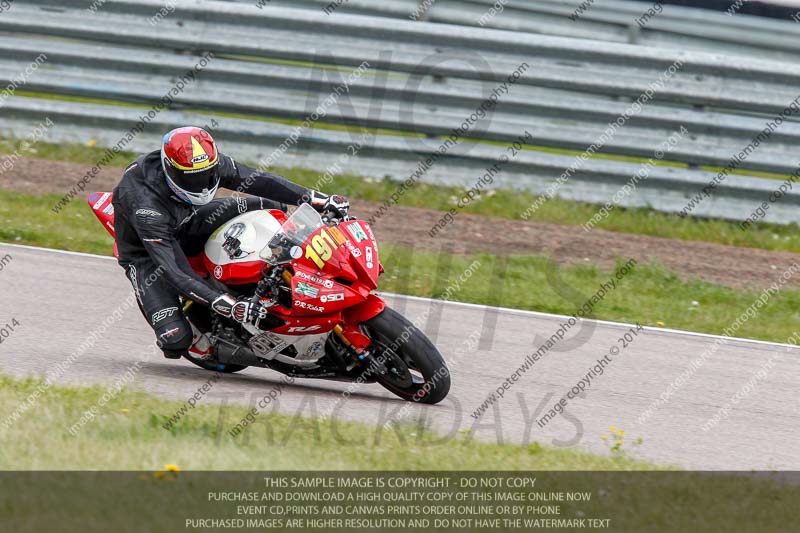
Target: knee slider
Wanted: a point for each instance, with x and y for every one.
(175, 337)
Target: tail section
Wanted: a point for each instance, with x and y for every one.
(100, 202)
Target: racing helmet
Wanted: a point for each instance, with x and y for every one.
(190, 160)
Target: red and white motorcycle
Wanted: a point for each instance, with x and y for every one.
(318, 277)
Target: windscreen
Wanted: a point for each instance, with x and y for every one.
(287, 243)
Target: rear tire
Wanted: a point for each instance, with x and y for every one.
(214, 366)
(416, 370)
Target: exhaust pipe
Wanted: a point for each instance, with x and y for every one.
(234, 354)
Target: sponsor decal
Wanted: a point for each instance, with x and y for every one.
(306, 289)
(335, 297)
(241, 205)
(202, 158)
(337, 235)
(371, 235)
(267, 344)
(218, 272)
(310, 307)
(222, 305)
(303, 329)
(295, 252)
(315, 351)
(312, 353)
(309, 277)
(102, 200)
(321, 248)
(132, 276)
(353, 250)
(109, 210)
(368, 258)
(327, 283)
(357, 231)
(158, 316)
(148, 213)
(169, 333)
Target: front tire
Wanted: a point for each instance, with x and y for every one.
(415, 370)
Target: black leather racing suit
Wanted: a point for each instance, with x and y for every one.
(156, 231)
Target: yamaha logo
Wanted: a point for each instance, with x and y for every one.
(218, 272)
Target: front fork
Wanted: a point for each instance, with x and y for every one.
(359, 355)
(355, 340)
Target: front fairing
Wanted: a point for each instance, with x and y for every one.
(334, 267)
(362, 251)
(347, 251)
(333, 273)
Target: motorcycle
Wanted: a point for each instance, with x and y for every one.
(317, 276)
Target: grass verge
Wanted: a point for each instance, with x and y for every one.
(163, 489)
(128, 434)
(497, 203)
(650, 294)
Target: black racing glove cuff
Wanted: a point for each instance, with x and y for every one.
(224, 305)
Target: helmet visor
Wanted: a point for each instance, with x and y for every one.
(196, 181)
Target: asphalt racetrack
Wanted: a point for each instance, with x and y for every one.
(59, 298)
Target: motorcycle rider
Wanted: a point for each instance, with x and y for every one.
(165, 211)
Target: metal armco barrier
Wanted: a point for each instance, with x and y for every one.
(422, 78)
(606, 20)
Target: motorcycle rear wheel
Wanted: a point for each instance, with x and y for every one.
(214, 366)
(416, 370)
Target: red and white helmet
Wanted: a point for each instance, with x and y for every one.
(191, 164)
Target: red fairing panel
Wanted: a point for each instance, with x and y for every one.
(336, 270)
(279, 215)
(347, 251)
(100, 202)
(315, 295)
(363, 251)
(371, 308)
(307, 324)
(235, 273)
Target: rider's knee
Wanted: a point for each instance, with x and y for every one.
(175, 337)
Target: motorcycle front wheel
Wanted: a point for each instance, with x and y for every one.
(410, 365)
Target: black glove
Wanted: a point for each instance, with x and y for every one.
(246, 311)
(242, 310)
(224, 305)
(335, 203)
